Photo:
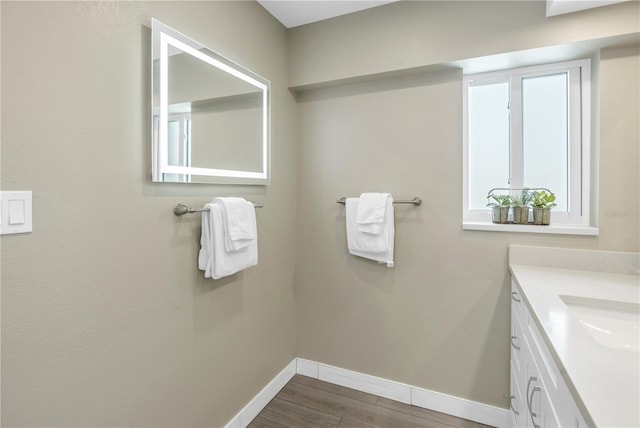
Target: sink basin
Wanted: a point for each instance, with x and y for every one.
(610, 323)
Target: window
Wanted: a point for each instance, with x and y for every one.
(528, 127)
(178, 144)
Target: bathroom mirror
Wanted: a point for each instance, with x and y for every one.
(210, 116)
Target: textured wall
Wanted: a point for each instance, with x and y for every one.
(106, 320)
(413, 34)
(440, 318)
(619, 159)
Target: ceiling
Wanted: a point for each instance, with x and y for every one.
(292, 13)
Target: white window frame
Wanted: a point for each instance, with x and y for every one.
(184, 123)
(576, 220)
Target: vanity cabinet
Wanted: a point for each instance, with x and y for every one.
(539, 395)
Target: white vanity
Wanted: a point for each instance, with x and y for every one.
(575, 359)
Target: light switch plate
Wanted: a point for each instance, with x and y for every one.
(15, 212)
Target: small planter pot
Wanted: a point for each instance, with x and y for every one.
(542, 216)
(500, 214)
(520, 215)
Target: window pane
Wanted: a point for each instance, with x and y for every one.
(173, 142)
(173, 153)
(545, 136)
(488, 141)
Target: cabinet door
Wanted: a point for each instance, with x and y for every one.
(532, 387)
(533, 395)
(540, 413)
(567, 411)
(547, 414)
(519, 412)
(538, 394)
(579, 420)
(516, 405)
(517, 303)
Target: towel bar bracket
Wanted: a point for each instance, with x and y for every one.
(181, 209)
(415, 201)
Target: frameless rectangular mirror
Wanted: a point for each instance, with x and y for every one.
(211, 116)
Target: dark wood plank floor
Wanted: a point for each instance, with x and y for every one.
(311, 403)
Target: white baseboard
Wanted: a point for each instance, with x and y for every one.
(307, 368)
(365, 383)
(259, 402)
(455, 406)
(461, 407)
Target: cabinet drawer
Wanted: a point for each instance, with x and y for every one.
(517, 339)
(516, 401)
(517, 303)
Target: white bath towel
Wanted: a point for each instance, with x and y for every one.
(375, 247)
(239, 220)
(213, 258)
(371, 212)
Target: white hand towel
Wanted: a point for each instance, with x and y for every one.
(371, 212)
(205, 256)
(213, 258)
(239, 220)
(375, 247)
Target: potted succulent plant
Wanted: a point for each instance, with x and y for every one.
(542, 201)
(500, 207)
(521, 207)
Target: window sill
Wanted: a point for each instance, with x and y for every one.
(559, 229)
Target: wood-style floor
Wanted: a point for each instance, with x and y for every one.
(311, 403)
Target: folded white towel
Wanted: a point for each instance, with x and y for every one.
(213, 258)
(375, 247)
(239, 220)
(371, 212)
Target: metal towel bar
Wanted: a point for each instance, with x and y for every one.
(181, 209)
(415, 201)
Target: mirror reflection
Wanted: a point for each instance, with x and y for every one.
(210, 116)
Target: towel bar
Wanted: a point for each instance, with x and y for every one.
(415, 201)
(181, 209)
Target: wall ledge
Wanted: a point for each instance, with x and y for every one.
(522, 58)
(552, 229)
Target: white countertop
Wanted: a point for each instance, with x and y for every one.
(603, 374)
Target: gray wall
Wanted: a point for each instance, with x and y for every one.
(440, 318)
(414, 34)
(106, 320)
